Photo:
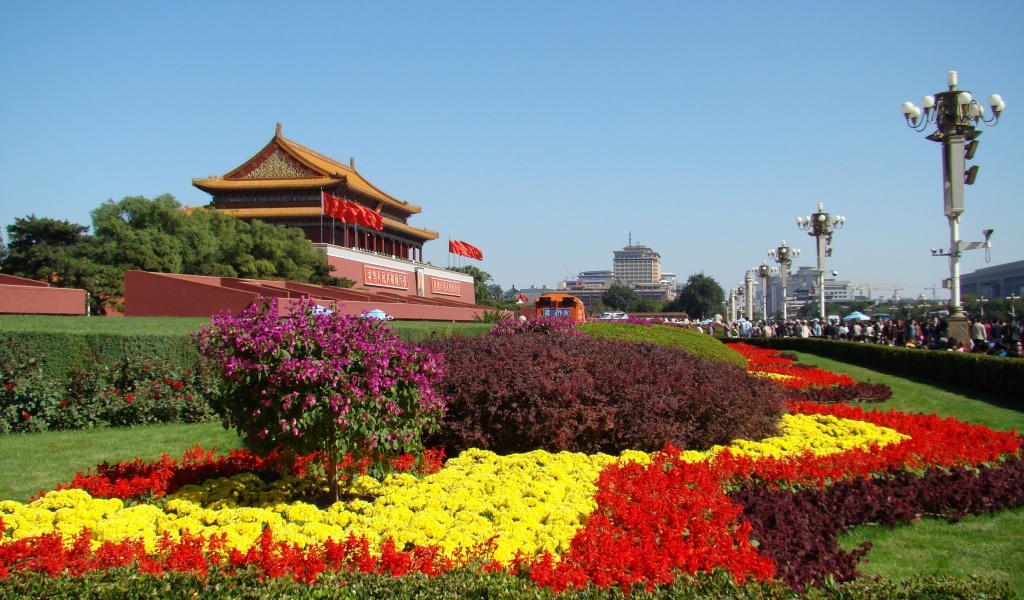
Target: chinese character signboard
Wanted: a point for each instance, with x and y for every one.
(445, 287)
(385, 278)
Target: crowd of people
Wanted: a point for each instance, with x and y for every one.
(1000, 337)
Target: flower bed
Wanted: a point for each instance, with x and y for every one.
(564, 519)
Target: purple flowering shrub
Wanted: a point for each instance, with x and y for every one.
(555, 325)
(328, 383)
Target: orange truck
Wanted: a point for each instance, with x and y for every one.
(562, 305)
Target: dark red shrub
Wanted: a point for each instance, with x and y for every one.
(858, 392)
(519, 393)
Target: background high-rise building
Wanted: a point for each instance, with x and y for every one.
(636, 265)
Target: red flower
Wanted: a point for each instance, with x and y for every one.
(129, 397)
(9, 387)
(63, 402)
(26, 416)
(177, 385)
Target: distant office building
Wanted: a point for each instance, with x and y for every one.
(636, 264)
(994, 282)
(801, 288)
(670, 280)
(534, 292)
(588, 286)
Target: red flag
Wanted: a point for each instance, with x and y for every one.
(464, 249)
(347, 214)
(474, 252)
(522, 297)
(350, 212)
(331, 205)
(372, 219)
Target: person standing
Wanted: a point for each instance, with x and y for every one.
(978, 336)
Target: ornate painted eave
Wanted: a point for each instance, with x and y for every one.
(284, 164)
(301, 212)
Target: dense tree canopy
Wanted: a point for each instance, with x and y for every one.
(620, 297)
(157, 235)
(646, 305)
(700, 298)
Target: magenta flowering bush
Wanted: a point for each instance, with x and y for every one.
(557, 325)
(332, 383)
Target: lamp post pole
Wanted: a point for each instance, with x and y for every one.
(764, 271)
(981, 303)
(732, 305)
(1013, 298)
(783, 255)
(956, 115)
(749, 282)
(821, 226)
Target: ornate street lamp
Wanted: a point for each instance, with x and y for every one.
(764, 271)
(821, 226)
(748, 279)
(956, 115)
(783, 255)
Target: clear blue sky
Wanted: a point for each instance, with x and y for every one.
(543, 132)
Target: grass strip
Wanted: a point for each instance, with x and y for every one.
(31, 462)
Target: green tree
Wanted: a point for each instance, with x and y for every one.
(3, 251)
(700, 298)
(646, 305)
(620, 297)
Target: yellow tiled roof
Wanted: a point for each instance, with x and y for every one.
(331, 173)
(219, 183)
(314, 211)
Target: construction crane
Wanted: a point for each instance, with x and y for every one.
(932, 288)
(895, 287)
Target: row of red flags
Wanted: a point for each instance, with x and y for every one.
(464, 249)
(350, 212)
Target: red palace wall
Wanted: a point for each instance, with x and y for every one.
(26, 296)
(388, 274)
(382, 282)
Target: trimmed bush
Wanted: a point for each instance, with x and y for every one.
(670, 336)
(522, 392)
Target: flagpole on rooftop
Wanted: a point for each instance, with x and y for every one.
(321, 215)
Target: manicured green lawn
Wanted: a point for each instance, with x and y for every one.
(988, 546)
(38, 461)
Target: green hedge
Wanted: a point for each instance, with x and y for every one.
(699, 344)
(63, 345)
(465, 583)
(999, 376)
